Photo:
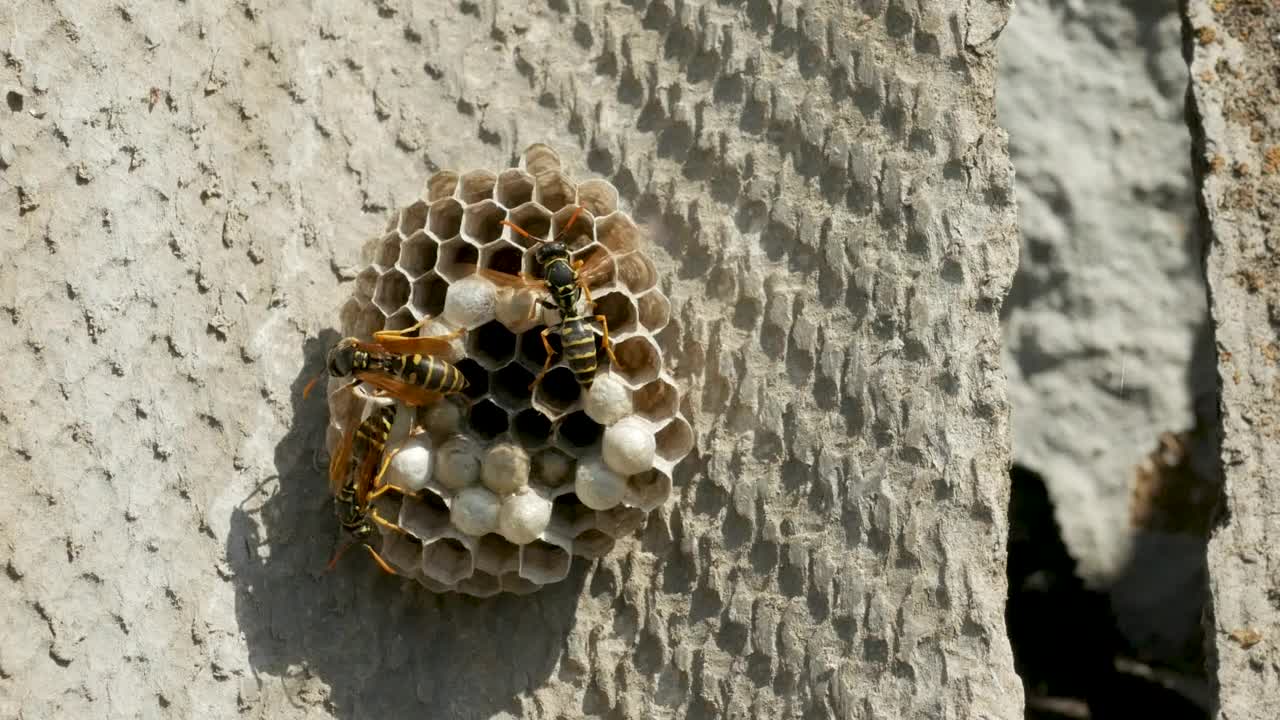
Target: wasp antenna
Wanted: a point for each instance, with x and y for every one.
(520, 230)
(307, 390)
(572, 218)
(378, 559)
(337, 556)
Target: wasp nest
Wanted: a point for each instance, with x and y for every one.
(510, 484)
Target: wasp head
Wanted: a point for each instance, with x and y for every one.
(550, 252)
(342, 358)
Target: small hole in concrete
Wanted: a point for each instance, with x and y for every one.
(15, 101)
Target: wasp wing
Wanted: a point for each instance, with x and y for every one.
(411, 395)
(340, 461)
(597, 269)
(430, 345)
(501, 279)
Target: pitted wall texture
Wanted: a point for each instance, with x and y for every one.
(1234, 51)
(186, 187)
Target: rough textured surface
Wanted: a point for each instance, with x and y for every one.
(1234, 50)
(184, 190)
(1106, 336)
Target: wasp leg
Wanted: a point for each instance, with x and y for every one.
(401, 333)
(380, 488)
(387, 523)
(586, 293)
(378, 559)
(608, 344)
(546, 367)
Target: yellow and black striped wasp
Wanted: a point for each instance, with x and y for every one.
(566, 281)
(403, 367)
(354, 490)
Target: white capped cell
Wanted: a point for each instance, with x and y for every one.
(470, 303)
(410, 467)
(523, 517)
(475, 511)
(609, 400)
(629, 446)
(597, 486)
(505, 468)
(458, 462)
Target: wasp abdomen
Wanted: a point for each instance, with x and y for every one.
(431, 373)
(579, 343)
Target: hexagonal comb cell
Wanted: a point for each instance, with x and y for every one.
(512, 483)
(618, 233)
(638, 359)
(576, 235)
(592, 543)
(476, 185)
(429, 294)
(619, 310)
(441, 185)
(510, 387)
(557, 393)
(598, 196)
(515, 187)
(445, 219)
(426, 518)
(543, 562)
(480, 584)
(392, 291)
(492, 345)
(657, 401)
(552, 190)
(532, 429)
(648, 490)
(413, 218)
(453, 255)
(636, 272)
(675, 440)
(654, 310)
(389, 250)
(400, 319)
(578, 432)
(482, 222)
(418, 254)
(534, 220)
(487, 419)
(447, 560)
(497, 556)
(367, 282)
(551, 467)
(502, 257)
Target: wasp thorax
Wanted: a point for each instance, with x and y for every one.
(558, 446)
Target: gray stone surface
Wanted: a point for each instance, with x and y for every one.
(185, 188)
(1234, 52)
(1106, 324)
